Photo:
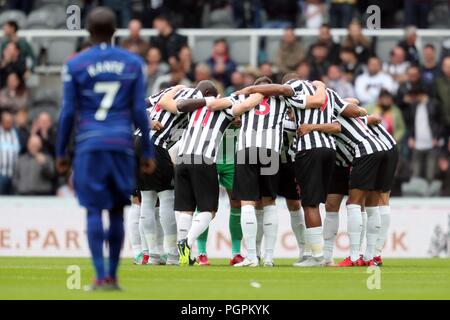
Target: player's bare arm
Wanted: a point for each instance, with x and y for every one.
(248, 104)
(331, 128)
(190, 105)
(156, 125)
(353, 110)
(167, 101)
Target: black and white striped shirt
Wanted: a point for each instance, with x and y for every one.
(355, 132)
(204, 132)
(173, 124)
(344, 154)
(9, 151)
(380, 131)
(314, 139)
(262, 126)
(289, 133)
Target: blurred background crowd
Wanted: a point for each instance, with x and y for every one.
(410, 90)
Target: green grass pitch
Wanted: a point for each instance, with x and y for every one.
(45, 278)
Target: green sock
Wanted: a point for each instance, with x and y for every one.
(201, 242)
(235, 231)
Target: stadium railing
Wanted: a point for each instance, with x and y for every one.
(245, 43)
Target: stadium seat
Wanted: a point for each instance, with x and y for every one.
(52, 110)
(45, 97)
(47, 17)
(15, 15)
(59, 49)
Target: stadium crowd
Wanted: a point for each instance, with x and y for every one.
(410, 91)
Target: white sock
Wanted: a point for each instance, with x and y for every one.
(159, 232)
(260, 229)
(354, 226)
(168, 221)
(133, 228)
(363, 231)
(142, 234)
(148, 219)
(385, 217)
(183, 224)
(314, 237)
(199, 224)
(373, 230)
(330, 229)
(298, 228)
(249, 229)
(270, 230)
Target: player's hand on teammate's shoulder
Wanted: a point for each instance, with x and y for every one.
(318, 84)
(148, 166)
(62, 166)
(244, 91)
(178, 87)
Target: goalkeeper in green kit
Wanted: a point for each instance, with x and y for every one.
(225, 170)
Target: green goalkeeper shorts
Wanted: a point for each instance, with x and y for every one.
(226, 175)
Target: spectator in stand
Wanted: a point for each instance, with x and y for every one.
(424, 130)
(122, 9)
(43, 128)
(409, 45)
(303, 70)
(35, 171)
(413, 79)
(350, 64)
(9, 152)
(444, 173)
(392, 118)
(280, 14)
(314, 13)
(220, 62)
(174, 77)
(326, 40)
(338, 82)
(217, 14)
(247, 13)
(134, 43)
(416, 13)
(204, 72)
(341, 13)
(11, 62)
(318, 61)
(442, 95)
(186, 63)
(356, 41)
(167, 41)
(369, 84)
(250, 75)
(22, 127)
(155, 67)
(266, 70)
(430, 67)
(290, 52)
(237, 83)
(397, 65)
(26, 54)
(15, 95)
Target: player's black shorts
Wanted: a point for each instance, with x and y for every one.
(287, 186)
(196, 186)
(339, 180)
(313, 171)
(162, 178)
(387, 170)
(255, 174)
(367, 171)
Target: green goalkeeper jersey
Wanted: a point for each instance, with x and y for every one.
(227, 149)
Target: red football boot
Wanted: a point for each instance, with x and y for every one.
(145, 258)
(347, 262)
(360, 262)
(378, 261)
(370, 263)
(236, 259)
(203, 260)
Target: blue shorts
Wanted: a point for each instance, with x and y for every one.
(104, 179)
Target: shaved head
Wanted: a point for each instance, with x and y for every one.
(101, 23)
(207, 88)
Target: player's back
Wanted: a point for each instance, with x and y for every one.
(104, 80)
